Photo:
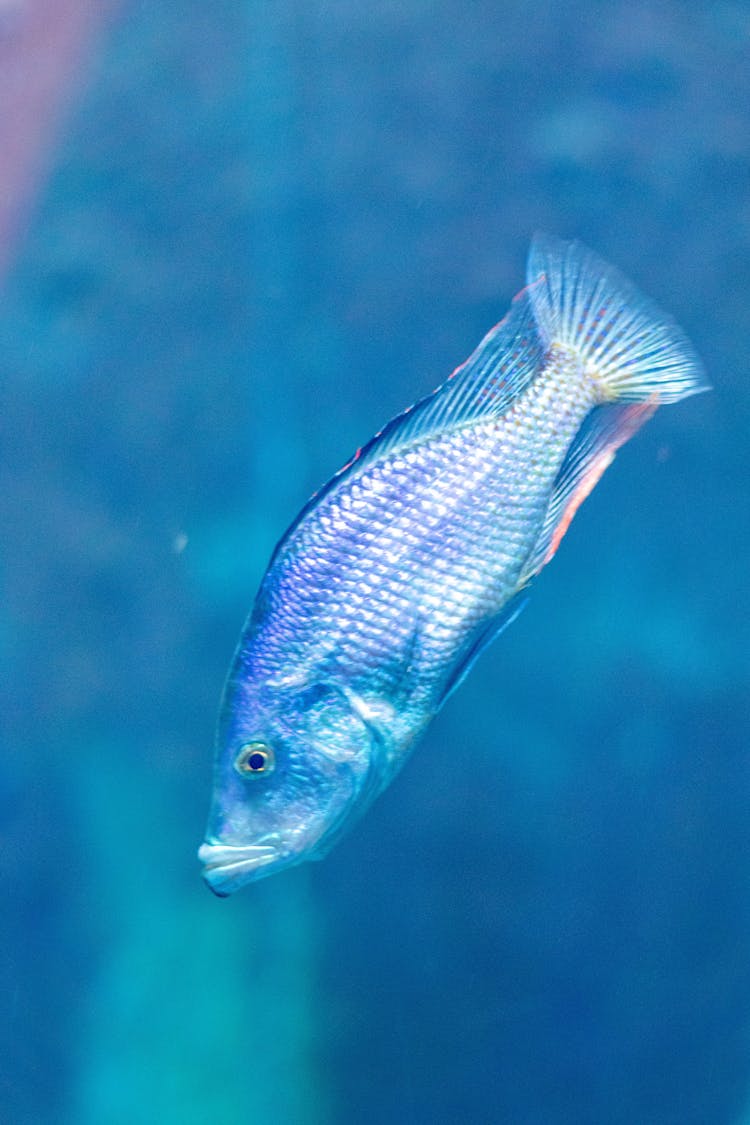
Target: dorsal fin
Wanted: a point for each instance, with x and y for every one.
(495, 374)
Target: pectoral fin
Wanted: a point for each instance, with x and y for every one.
(353, 734)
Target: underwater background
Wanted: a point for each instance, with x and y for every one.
(236, 238)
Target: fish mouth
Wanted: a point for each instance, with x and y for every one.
(227, 867)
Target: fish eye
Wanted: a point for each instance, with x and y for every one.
(254, 759)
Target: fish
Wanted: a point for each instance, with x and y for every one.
(417, 554)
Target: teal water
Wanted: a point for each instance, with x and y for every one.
(265, 230)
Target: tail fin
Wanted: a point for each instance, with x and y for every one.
(633, 349)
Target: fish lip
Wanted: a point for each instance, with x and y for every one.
(227, 867)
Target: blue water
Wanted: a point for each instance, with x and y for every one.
(267, 228)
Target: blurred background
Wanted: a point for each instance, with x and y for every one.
(235, 238)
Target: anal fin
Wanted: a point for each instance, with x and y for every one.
(592, 452)
(481, 641)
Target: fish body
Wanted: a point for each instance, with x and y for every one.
(400, 571)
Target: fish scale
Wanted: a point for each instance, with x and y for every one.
(458, 515)
(401, 571)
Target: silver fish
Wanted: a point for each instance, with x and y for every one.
(404, 567)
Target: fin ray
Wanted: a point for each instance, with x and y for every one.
(631, 348)
(497, 372)
(499, 369)
(590, 455)
(491, 632)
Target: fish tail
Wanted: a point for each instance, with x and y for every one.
(632, 350)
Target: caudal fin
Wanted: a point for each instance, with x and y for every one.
(630, 347)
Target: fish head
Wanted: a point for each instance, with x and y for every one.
(293, 768)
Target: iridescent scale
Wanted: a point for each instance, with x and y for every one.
(410, 561)
(386, 579)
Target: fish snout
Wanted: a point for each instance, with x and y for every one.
(227, 867)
